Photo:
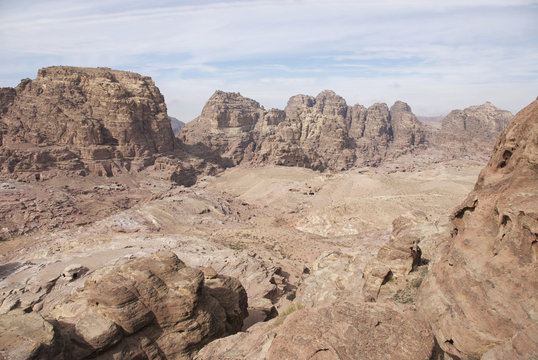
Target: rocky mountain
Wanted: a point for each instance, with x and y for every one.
(324, 132)
(85, 119)
(312, 132)
(480, 297)
(176, 125)
(473, 130)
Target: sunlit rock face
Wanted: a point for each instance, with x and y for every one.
(73, 118)
(481, 295)
(316, 132)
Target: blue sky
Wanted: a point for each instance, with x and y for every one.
(435, 55)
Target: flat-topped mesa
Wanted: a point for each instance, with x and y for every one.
(316, 132)
(97, 114)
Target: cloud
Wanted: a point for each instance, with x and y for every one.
(449, 49)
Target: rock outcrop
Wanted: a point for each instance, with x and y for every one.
(152, 307)
(224, 129)
(396, 259)
(97, 120)
(343, 331)
(26, 336)
(321, 132)
(481, 295)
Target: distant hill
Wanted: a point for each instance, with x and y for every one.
(176, 124)
(433, 121)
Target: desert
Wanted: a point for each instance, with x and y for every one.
(268, 180)
(152, 246)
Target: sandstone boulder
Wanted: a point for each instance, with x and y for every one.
(482, 291)
(25, 336)
(152, 307)
(396, 259)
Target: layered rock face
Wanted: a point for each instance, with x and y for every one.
(224, 129)
(312, 132)
(148, 308)
(481, 295)
(73, 118)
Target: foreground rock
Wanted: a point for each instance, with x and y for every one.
(25, 336)
(481, 295)
(343, 331)
(152, 307)
(396, 259)
(83, 119)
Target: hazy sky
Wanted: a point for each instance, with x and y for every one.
(436, 55)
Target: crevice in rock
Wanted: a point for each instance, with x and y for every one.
(460, 212)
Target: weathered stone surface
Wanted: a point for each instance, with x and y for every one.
(342, 331)
(523, 346)
(480, 120)
(482, 291)
(74, 271)
(176, 125)
(224, 128)
(108, 120)
(334, 276)
(149, 305)
(25, 336)
(353, 331)
(396, 259)
(251, 344)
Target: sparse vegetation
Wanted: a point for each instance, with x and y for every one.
(407, 295)
(292, 308)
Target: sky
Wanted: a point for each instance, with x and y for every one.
(435, 55)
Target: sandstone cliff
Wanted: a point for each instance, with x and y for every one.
(480, 298)
(98, 120)
(320, 132)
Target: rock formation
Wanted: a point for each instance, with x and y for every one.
(480, 297)
(224, 128)
(98, 120)
(152, 307)
(473, 130)
(395, 259)
(320, 132)
(342, 331)
(480, 120)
